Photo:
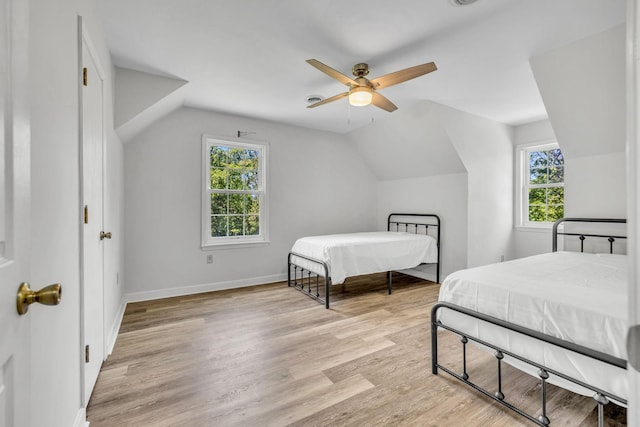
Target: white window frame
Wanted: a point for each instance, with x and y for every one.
(522, 183)
(209, 242)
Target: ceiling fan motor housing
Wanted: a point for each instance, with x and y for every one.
(360, 70)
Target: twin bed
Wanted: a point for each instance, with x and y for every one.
(560, 316)
(316, 262)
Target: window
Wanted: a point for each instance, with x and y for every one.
(235, 195)
(542, 184)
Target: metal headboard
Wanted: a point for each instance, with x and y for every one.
(582, 236)
(401, 222)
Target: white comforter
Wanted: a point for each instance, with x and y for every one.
(353, 254)
(577, 297)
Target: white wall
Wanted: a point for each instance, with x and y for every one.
(443, 195)
(318, 184)
(595, 186)
(485, 147)
(56, 213)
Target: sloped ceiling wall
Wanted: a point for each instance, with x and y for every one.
(583, 88)
(409, 144)
(143, 98)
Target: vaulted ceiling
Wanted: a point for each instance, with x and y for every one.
(247, 57)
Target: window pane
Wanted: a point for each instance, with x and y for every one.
(537, 213)
(556, 174)
(555, 212)
(537, 196)
(219, 226)
(555, 196)
(218, 178)
(236, 156)
(219, 204)
(252, 225)
(537, 159)
(250, 179)
(235, 179)
(555, 157)
(236, 204)
(538, 176)
(252, 204)
(235, 225)
(218, 155)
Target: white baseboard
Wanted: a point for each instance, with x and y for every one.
(206, 287)
(115, 327)
(81, 418)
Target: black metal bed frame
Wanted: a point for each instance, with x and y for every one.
(311, 279)
(601, 397)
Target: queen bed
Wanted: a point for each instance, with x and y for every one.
(560, 317)
(316, 262)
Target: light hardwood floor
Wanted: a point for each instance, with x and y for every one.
(271, 356)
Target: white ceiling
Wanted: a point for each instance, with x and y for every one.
(247, 57)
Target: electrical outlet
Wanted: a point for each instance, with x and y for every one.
(209, 259)
(501, 258)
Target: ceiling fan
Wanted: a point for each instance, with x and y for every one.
(363, 91)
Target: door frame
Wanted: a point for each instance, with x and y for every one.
(84, 40)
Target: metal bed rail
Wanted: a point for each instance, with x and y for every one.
(601, 397)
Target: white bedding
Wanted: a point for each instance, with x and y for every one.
(353, 254)
(577, 297)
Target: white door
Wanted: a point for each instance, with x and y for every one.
(92, 196)
(14, 211)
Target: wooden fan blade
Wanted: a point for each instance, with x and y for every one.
(403, 75)
(328, 100)
(383, 102)
(332, 73)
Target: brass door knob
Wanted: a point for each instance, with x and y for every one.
(51, 295)
(104, 235)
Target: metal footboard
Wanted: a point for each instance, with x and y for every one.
(299, 284)
(601, 397)
(298, 279)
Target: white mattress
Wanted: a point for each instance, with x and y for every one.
(578, 297)
(353, 254)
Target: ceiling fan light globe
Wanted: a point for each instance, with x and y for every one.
(360, 96)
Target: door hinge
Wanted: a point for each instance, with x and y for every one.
(86, 353)
(86, 214)
(84, 76)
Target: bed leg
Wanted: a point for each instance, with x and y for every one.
(434, 346)
(326, 292)
(389, 281)
(602, 400)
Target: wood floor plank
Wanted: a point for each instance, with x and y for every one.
(271, 356)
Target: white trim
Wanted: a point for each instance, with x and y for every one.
(205, 287)
(81, 418)
(633, 194)
(115, 328)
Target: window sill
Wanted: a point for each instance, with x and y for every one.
(535, 228)
(233, 245)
